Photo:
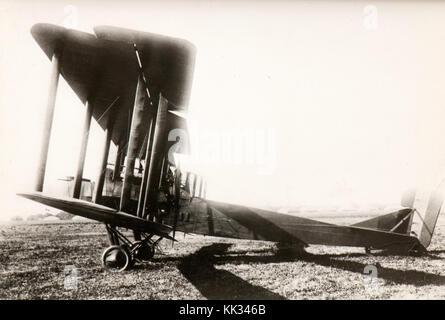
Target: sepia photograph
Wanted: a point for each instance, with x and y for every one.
(222, 150)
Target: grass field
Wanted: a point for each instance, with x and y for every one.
(36, 262)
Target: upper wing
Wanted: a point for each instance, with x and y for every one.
(105, 72)
(168, 62)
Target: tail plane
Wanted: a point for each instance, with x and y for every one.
(400, 221)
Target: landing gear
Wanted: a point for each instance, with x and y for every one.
(143, 250)
(116, 257)
(121, 257)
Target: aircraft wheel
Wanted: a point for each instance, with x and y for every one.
(142, 250)
(116, 257)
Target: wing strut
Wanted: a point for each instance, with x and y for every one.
(54, 81)
(176, 199)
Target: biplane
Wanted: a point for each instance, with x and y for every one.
(135, 85)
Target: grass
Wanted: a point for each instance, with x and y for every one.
(36, 261)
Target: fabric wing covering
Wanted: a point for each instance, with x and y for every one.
(104, 69)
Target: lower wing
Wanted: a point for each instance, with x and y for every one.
(100, 213)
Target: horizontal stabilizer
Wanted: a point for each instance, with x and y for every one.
(398, 221)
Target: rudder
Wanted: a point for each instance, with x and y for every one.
(430, 219)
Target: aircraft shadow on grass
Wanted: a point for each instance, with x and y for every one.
(409, 277)
(199, 269)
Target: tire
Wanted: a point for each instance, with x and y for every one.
(116, 258)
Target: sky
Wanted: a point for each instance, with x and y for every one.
(293, 102)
